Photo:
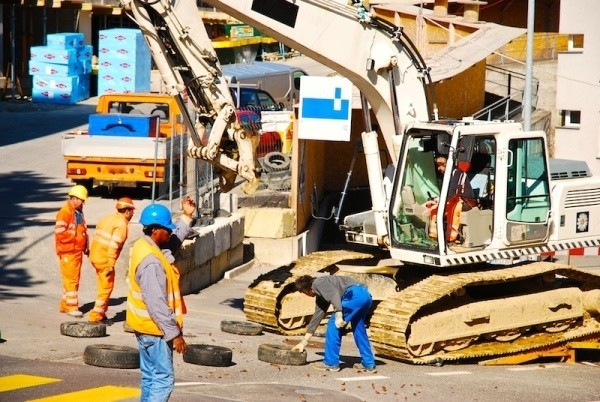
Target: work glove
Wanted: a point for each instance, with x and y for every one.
(339, 320)
(302, 345)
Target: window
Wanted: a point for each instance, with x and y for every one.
(528, 194)
(570, 118)
(575, 42)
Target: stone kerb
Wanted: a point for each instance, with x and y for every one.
(205, 257)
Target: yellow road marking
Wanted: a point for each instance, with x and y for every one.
(101, 394)
(11, 382)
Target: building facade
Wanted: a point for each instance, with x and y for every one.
(578, 85)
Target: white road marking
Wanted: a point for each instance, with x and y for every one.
(537, 367)
(185, 384)
(445, 373)
(363, 378)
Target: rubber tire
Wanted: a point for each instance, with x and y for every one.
(280, 354)
(276, 161)
(208, 355)
(241, 327)
(112, 356)
(82, 329)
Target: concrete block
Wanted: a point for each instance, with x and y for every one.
(195, 280)
(270, 223)
(222, 234)
(235, 256)
(204, 247)
(218, 266)
(185, 265)
(187, 249)
(277, 252)
(227, 201)
(237, 230)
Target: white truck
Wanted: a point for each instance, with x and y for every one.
(282, 81)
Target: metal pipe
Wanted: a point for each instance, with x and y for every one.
(155, 160)
(528, 65)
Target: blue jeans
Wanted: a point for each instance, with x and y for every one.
(156, 364)
(356, 302)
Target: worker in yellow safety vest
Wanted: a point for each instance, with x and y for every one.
(71, 241)
(107, 243)
(155, 305)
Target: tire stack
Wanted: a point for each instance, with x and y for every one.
(276, 171)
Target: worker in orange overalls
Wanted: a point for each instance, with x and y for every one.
(70, 234)
(109, 238)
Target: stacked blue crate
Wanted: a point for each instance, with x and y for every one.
(124, 61)
(61, 69)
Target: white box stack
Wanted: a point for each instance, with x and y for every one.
(61, 69)
(124, 61)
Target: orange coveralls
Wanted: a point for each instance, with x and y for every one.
(109, 238)
(70, 235)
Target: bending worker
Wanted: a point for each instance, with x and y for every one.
(71, 240)
(155, 306)
(109, 238)
(351, 301)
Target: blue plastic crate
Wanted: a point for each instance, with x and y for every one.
(123, 125)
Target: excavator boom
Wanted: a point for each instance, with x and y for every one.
(191, 72)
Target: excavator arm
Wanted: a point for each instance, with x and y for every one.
(183, 53)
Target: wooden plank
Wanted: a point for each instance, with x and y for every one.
(561, 352)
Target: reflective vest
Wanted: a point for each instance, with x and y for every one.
(70, 231)
(109, 237)
(137, 313)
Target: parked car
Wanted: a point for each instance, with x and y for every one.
(253, 99)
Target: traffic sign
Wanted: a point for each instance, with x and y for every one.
(325, 108)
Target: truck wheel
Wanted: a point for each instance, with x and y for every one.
(79, 329)
(241, 327)
(87, 183)
(112, 356)
(208, 355)
(279, 354)
(276, 162)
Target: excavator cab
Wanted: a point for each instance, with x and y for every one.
(447, 199)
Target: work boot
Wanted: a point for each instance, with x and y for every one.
(361, 369)
(75, 313)
(96, 317)
(100, 320)
(325, 367)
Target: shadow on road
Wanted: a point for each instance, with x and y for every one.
(24, 196)
(42, 119)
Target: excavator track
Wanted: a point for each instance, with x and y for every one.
(412, 313)
(264, 300)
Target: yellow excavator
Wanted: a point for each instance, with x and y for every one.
(456, 239)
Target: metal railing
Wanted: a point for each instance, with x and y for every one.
(504, 95)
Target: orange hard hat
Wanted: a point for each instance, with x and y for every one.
(125, 202)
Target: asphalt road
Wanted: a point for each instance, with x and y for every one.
(32, 190)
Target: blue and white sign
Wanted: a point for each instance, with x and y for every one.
(325, 108)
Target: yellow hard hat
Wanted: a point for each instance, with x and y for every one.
(79, 191)
(125, 202)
